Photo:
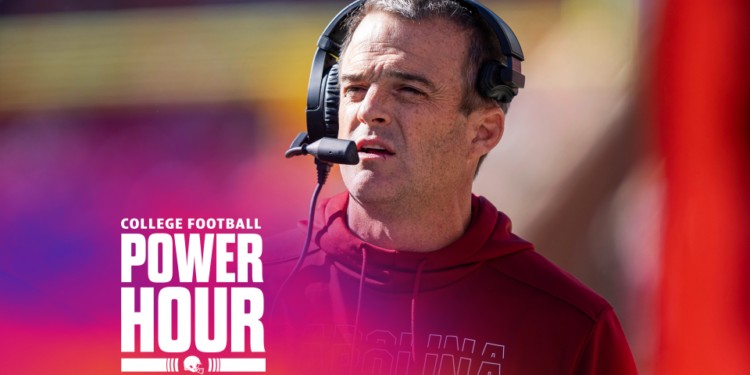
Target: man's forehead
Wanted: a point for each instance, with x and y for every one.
(431, 45)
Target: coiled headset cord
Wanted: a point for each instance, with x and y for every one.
(323, 169)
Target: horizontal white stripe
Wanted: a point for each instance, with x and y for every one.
(144, 365)
(242, 365)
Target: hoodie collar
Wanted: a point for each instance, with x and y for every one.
(488, 236)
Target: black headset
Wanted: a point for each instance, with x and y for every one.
(495, 79)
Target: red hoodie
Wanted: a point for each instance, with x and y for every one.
(485, 304)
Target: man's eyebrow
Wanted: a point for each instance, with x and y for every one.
(411, 77)
(353, 77)
(404, 76)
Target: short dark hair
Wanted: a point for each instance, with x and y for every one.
(483, 43)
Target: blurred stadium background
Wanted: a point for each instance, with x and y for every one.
(131, 108)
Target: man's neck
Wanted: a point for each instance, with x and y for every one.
(422, 226)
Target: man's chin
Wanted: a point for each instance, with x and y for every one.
(368, 186)
(372, 191)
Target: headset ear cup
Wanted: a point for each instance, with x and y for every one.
(331, 102)
(502, 93)
(489, 84)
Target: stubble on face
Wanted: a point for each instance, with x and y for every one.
(426, 131)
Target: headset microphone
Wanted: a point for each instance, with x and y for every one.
(327, 150)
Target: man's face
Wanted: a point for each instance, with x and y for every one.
(401, 87)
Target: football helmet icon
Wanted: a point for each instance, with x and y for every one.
(193, 364)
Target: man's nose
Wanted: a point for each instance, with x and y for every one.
(374, 109)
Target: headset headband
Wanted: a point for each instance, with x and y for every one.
(329, 48)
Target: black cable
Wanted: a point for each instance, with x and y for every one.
(295, 151)
(323, 170)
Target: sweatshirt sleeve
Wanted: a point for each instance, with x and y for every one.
(606, 350)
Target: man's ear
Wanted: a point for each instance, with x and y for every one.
(488, 124)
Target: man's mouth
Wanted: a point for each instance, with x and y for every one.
(375, 150)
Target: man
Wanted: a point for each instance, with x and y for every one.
(409, 273)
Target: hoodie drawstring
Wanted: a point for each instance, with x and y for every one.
(413, 309)
(359, 305)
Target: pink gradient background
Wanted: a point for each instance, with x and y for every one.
(67, 179)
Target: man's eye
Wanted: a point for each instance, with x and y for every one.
(411, 90)
(354, 91)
